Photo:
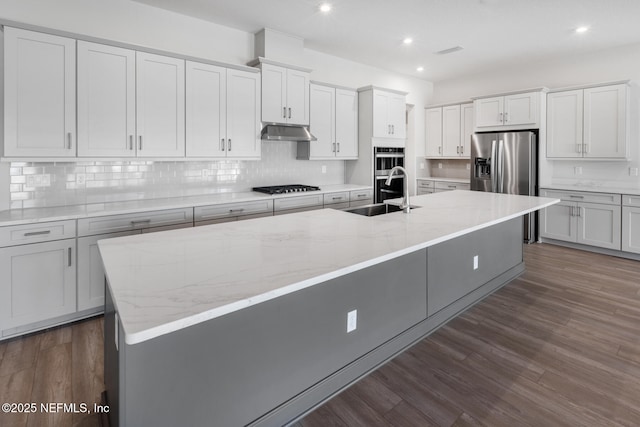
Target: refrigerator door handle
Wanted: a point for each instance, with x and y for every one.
(494, 166)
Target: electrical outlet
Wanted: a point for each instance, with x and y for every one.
(439, 165)
(421, 165)
(205, 173)
(46, 180)
(633, 171)
(352, 320)
(468, 166)
(475, 262)
(31, 181)
(324, 168)
(577, 170)
(80, 178)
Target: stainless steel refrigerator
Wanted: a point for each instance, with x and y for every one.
(507, 163)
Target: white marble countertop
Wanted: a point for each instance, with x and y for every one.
(464, 180)
(166, 281)
(36, 215)
(593, 189)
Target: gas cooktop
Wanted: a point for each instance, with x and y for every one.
(281, 189)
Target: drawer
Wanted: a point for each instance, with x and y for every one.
(331, 198)
(344, 205)
(422, 191)
(442, 185)
(362, 202)
(426, 184)
(579, 196)
(628, 200)
(360, 195)
(36, 233)
(139, 221)
(205, 213)
(287, 203)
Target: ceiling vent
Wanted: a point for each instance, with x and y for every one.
(450, 50)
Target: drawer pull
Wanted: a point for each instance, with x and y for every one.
(236, 210)
(576, 197)
(140, 222)
(37, 233)
(452, 186)
(361, 195)
(336, 198)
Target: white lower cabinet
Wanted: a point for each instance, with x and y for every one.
(631, 224)
(576, 219)
(37, 283)
(90, 270)
(360, 197)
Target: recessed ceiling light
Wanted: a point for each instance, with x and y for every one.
(582, 29)
(407, 40)
(420, 69)
(325, 7)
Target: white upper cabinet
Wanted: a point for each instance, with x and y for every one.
(389, 111)
(346, 123)
(106, 101)
(285, 95)
(449, 130)
(433, 132)
(243, 114)
(588, 123)
(40, 94)
(334, 123)
(513, 111)
(206, 110)
(160, 105)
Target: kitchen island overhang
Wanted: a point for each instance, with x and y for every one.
(239, 309)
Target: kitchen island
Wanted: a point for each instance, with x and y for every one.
(258, 322)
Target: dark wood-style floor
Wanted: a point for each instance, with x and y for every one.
(558, 346)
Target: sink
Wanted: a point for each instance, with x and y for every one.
(376, 209)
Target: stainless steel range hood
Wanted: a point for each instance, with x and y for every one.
(277, 132)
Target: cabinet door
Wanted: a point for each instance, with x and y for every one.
(37, 282)
(489, 111)
(631, 229)
(605, 122)
(564, 124)
(206, 110)
(599, 225)
(243, 114)
(274, 94)
(396, 116)
(160, 105)
(297, 97)
(381, 125)
(346, 123)
(433, 132)
(466, 118)
(90, 270)
(558, 221)
(40, 94)
(521, 109)
(451, 131)
(106, 100)
(323, 118)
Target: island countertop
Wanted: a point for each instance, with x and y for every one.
(167, 281)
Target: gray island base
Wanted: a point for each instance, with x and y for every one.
(271, 363)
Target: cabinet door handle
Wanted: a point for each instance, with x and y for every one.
(140, 143)
(500, 118)
(506, 117)
(289, 112)
(334, 147)
(572, 211)
(338, 147)
(393, 129)
(462, 149)
(573, 196)
(284, 112)
(236, 210)
(579, 211)
(579, 148)
(69, 140)
(389, 130)
(140, 222)
(130, 142)
(458, 149)
(69, 256)
(440, 150)
(221, 144)
(229, 146)
(37, 233)
(586, 148)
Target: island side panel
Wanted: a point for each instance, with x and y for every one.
(113, 370)
(453, 272)
(234, 369)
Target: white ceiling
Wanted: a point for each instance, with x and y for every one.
(494, 33)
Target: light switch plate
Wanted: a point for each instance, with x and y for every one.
(352, 320)
(475, 262)
(324, 169)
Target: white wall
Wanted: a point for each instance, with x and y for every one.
(608, 65)
(135, 23)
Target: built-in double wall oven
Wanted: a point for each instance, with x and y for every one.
(385, 159)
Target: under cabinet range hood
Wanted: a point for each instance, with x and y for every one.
(279, 132)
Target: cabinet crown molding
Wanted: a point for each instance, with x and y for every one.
(260, 60)
(515, 92)
(628, 82)
(370, 87)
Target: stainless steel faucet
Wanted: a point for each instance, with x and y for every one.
(406, 208)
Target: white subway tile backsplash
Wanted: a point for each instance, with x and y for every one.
(103, 181)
